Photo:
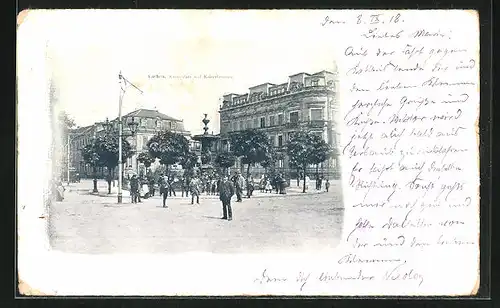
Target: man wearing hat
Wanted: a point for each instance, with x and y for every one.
(239, 181)
(134, 188)
(226, 191)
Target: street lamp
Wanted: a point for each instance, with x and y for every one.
(133, 129)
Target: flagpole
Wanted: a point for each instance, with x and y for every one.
(120, 132)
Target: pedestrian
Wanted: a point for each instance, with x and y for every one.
(134, 188)
(226, 192)
(320, 182)
(207, 187)
(239, 183)
(307, 180)
(171, 187)
(277, 181)
(327, 185)
(282, 184)
(151, 182)
(214, 187)
(262, 184)
(194, 186)
(268, 187)
(249, 186)
(185, 186)
(217, 188)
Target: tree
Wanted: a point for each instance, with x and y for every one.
(90, 156)
(107, 150)
(292, 163)
(225, 160)
(252, 146)
(103, 152)
(270, 159)
(321, 153)
(146, 159)
(188, 163)
(305, 148)
(169, 147)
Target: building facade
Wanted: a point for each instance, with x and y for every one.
(306, 102)
(149, 122)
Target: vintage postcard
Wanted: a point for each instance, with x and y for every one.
(259, 152)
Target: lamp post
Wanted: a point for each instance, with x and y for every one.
(133, 128)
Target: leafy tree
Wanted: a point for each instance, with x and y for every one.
(103, 152)
(169, 147)
(225, 160)
(321, 153)
(292, 163)
(107, 147)
(253, 146)
(146, 159)
(188, 163)
(66, 122)
(91, 156)
(270, 160)
(305, 148)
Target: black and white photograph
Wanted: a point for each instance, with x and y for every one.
(278, 152)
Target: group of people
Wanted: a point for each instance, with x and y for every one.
(223, 186)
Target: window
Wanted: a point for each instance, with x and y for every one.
(242, 125)
(271, 121)
(145, 140)
(294, 117)
(256, 123)
(262, 122)
(280, 163)
(280, 119)
(315, 82)
(173, 125)
(272, 140)
(280, 140)
(249, 124)
(316, 114)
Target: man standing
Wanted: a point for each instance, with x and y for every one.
(164, 189)
(194, 186)
(239, 183)
(327, 185)
(134, 188)
(171, 189)
(226, 192)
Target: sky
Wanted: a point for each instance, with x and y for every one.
(86, 50)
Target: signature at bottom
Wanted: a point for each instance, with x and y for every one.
(403, 273)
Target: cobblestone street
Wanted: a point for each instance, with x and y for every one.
(85, 223)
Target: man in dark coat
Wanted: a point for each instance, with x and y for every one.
(134, 188)
(226, 192)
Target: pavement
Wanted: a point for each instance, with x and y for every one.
(96, 224)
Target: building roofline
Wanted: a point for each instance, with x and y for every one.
(300, 74)
(323, 71)
(262, 84)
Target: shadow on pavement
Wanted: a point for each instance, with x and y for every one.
(212, 217)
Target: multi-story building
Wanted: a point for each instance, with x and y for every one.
(149, 123)
(305, 102)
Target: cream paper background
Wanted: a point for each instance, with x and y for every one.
(121, 39)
